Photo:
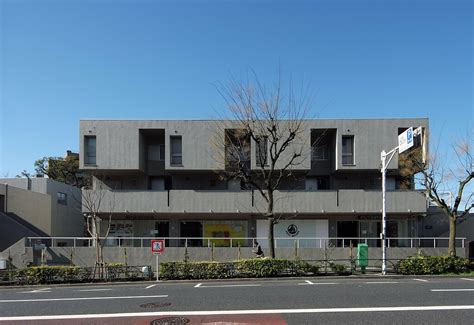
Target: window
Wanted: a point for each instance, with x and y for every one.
(156, 152)
(261, 151)
(176, 150)
(62, 198)
(320, 152)
(348, 150)
(90, 150)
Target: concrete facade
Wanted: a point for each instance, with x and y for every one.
(147, 195)
(36, 200)
(21, 255)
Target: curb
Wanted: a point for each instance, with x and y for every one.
(123, 283)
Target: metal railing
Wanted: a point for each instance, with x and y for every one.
(280, 242)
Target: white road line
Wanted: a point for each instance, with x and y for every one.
(229, 286)
(467, 279)
(308, 282)
(381, 282)
(450, 290)
(243, 312)
(38, 290)
(150, 286)
(85, 298)
(317, 283)
(421, 280)
(95, 290)
(198, 285)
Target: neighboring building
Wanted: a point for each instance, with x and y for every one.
(164, 179)
(38, 207)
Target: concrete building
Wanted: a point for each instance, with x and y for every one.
(38, 207)
(163, 179)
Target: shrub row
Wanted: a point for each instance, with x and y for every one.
(49, 274)
(252, 268)
(433, 265)
(70, 274)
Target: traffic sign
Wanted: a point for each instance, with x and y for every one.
(405, 140)
(157, 246)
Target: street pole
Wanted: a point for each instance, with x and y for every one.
(157, 267)
(383, 157)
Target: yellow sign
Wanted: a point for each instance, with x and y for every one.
(225, 230)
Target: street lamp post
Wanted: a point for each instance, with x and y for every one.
(383, 157)
(405, 142)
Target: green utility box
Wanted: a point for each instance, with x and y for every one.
(362, 256)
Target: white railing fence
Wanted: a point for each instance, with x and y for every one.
(280, 242)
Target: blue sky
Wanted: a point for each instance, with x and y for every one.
(61, 61)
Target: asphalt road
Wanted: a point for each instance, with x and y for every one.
(327, 300)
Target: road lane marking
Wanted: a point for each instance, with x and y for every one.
(243, 312)
(87, 290)
(421, 280)
(150, 286)
(381, 282)
(38, 290)
(467, 279)
(317, 283)
(228, 285)
(85, 298)
(450, 290)
(198, 285)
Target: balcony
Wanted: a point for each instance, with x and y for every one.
(303, 202)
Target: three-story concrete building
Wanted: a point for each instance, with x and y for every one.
(164, 178)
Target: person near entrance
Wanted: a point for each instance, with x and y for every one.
(257, 249)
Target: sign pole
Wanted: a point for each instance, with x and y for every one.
(383, 157)
(384, 212)
(157, 267)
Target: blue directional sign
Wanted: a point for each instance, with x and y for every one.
(410, 136)
(405, 140)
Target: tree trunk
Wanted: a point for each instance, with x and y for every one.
(271, 219)
(452, 236)
(271, 237)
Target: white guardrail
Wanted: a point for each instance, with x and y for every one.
(300, 242)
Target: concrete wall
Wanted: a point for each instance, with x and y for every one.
(86, 256)
(181, 201)
(33, 207)
(35, 200)
(118, 142)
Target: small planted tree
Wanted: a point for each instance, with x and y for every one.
(93, 203)
(272, 120)
(438, 180)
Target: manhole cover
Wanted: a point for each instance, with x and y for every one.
(170, 321)
(156, 304)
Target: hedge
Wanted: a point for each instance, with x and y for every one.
(433, 265)
(70, 274)
(253, 268)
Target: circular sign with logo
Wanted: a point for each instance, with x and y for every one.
(292, 230)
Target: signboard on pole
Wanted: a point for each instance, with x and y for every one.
(157, 246)
(405, 140)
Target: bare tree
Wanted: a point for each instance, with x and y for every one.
(98, 204)
(438, 180)
(273, 123)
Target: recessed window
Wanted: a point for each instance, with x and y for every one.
(348, 150)
(156, 152)
(320, 152)
(62, 198)
(176, 150)
(90, 150)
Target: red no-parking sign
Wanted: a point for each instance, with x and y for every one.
(157, 246)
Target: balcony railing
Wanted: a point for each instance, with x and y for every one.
(280, 242)
(325, 201)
